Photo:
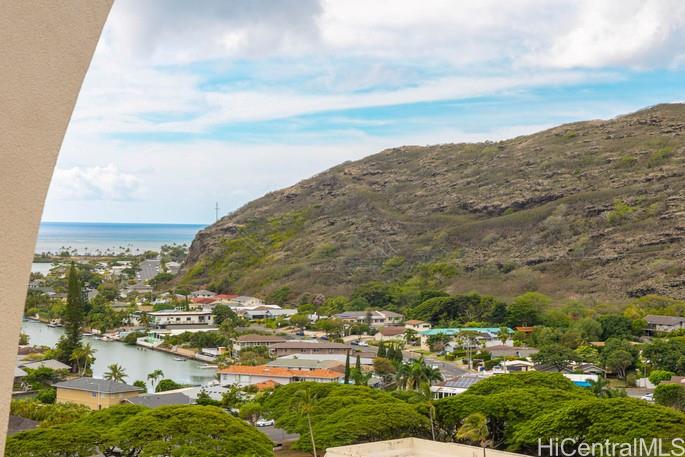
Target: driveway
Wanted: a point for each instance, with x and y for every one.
(448, 369)
(278, 435)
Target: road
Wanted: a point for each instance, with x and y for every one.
(148, 269)
(448, 369)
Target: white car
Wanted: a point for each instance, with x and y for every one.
(264, 422)
(648, 397)
(362, 343)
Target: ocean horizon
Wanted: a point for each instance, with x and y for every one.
(91, 237)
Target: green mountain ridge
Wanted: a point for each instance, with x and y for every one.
(589, 209)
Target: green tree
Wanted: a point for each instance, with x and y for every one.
(251, 411)
(474, 429)
(526, 309)
(222, 313)
(167, 384)
(115, 372)
(73, 317)
(347, 368)
(555, 355)
(140, 383)
(618, 361)
(657, 376)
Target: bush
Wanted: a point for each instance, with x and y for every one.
(657, 376)
(47, 396)
(671, 395)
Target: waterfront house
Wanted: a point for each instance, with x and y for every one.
(95, 393)
(663, 324)
(241, 375)
(248, 341)
(178, 317)
(309, 347)
(373, 318)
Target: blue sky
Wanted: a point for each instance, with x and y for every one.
(188, 104)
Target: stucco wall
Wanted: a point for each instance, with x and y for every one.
(99, 401)
(46, 47)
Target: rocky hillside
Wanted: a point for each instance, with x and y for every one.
(590, 209)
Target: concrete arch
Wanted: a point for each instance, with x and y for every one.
(46, 48)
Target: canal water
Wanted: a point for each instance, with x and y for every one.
(137, 361)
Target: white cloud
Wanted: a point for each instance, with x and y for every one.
(94, 183)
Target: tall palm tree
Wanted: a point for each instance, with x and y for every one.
(475, 429)
(154, 377)
(116, 372)
(305, 402)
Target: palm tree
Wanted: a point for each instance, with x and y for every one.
(305, 402)
(144, 320)
(154, 377)
(116, 373)
(410, 376)
(83, 354)
(474, 428)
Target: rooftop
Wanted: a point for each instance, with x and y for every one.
(252, 338)
(97, 385)
(664, 320)
(304, 363)
(50, 363)
(279, 372)
(304, 344)
(455, 330)
(161, 399)
(412, 447)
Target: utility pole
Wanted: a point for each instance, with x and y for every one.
(216, 209)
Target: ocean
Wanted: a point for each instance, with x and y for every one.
(91, 237)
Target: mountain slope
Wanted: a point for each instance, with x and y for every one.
(592, 208)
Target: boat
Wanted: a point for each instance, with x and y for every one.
(208, 366)
(179, 359)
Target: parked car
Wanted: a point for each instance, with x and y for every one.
(362, 343)
(647, 397)
(264, 422)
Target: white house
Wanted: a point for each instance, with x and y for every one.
(248, 341)
(417, 325)
(202, 293)
(178, 317)
(374, 318)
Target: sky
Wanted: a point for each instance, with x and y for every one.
(187, 104)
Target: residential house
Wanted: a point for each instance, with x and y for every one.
(241, 375)
(202, 293)
(373, 318)
(663, 324)
(298, 364)
(95, 393)
(394, 333)
(365, 358)
(455, 386)
(309, 347)
(503, 350)
(417, 325)
(247, 341)
(179, 317)
(485, 336)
